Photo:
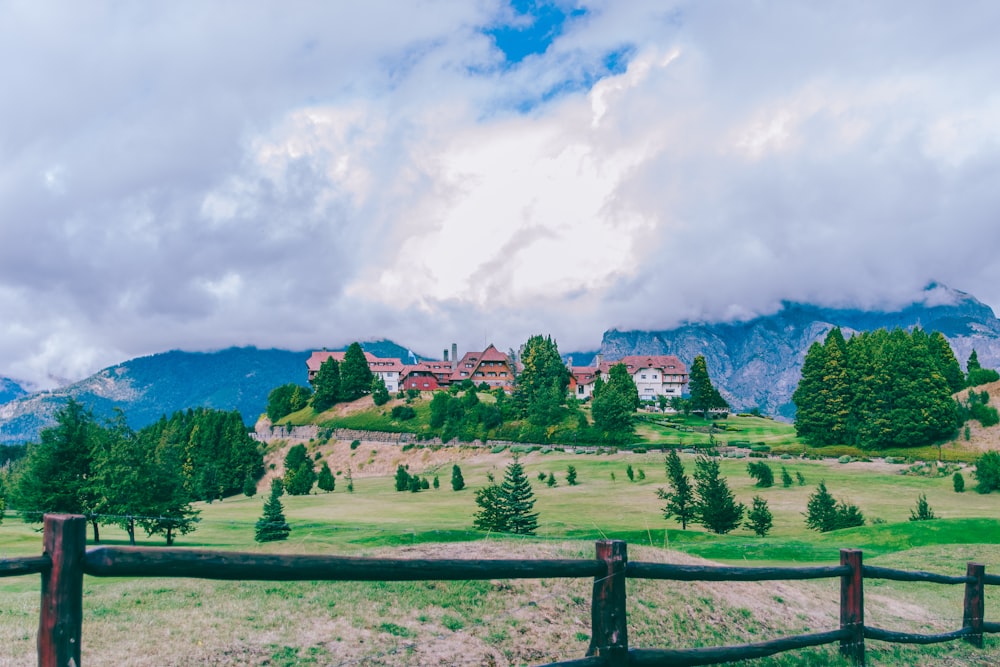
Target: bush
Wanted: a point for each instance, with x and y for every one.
(923, 511)
(988, 472)
(958, 481)
(844, 459)
(403, 412)
(355, 444)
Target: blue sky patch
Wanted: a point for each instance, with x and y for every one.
(538, 25)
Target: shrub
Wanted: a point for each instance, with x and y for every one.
(403, 412)
(988, 472)
(958, 481)
(844, 459)
(923, 511)
(355, 444)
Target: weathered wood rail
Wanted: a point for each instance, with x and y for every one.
(66, 559)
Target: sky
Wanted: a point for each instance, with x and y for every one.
(192, 175)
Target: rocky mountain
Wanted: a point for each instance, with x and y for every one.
(147, 387)
(10, 389)
(757, 363)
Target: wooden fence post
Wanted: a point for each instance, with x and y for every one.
(609, 630)
(61, 618)
(852, 606)
(975, 603)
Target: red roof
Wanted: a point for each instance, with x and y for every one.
(668, 364)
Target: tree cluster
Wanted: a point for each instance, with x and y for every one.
(338, 382)
(407, 482)
(824, 513)
(466, 416)
(300, 472)
(709, 502)
(147, 478)
(977, 406)
(540, 386)
(976, 374)
(507, 507)
(878, 389)
(286, 399)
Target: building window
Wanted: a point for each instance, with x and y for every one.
(643, 376)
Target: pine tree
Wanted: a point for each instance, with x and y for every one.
(380, 395)
(759, 520)
(680, 497)
(630, 473)
(715, 506)
(519, 500)
(958, 482)
(249, 487)
(326, 386)
(786, 479)
(491, 515)
(272, 527)
(457, 481)
(355, 374)
(437, 482)
(571, 475)
(704, 396)
(326, 481)
(614, 406)
(540, 388)
(762, 473)
(402, 478)
(821, 510)
(300, 473)
(551, 480)
(947, 364)
(923, 511)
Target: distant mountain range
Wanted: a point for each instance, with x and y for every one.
(755, 364)
(147, 387)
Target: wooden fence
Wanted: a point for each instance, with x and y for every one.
(65, 560)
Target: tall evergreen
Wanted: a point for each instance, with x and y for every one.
(325, 480)
(326, 386)
(541, 383)
(380, 394)
(759, 519)
(519, 500)
(457, 481)
(355, 374)
(704, 395)
(615, 405)
(715, 507)
(272, 527)
(947, 364)
(300, 472)
(680, 496)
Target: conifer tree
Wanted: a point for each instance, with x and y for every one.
(380, 395)
(326, 481)
(540, 387)
(922, 511)
(551, 480)
(761, 472)
(786, 479)
(355, 374)
(759, 519)
(821, 510)
(571, 475)
(300, 473)
(402, 478)
(249, 487)
(614, 406)
(947, 364)
(457, 481)
(704, 396)
(326, 386)
(519, 500)
(680, 496)
(272, 527)
(715, 507)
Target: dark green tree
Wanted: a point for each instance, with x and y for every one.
(326, 386)
(551, 480)
(987, 472)
(824, 513)
(614, 406)
(571, 475)
(759, 519)
(286, 399)
(272, 527)
(519, 500)
(491, 515)
(786, 479)
(326, 481)
(355, 374)
(958, 482)
(541, 384)
(300, 472)
(703, 395)
(947, 364)
(439, 409)
(680, 496)
(380, 395)
(976, 374)
(249, 487)
(630, 473)
(457, 481)
(402, 478)
(715, 507)
(762, 472)
(54, 477)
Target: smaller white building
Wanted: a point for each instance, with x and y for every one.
(654, 376)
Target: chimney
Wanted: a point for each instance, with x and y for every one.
(569, 362)
(454, 353)
(445, 355)
(598, 359)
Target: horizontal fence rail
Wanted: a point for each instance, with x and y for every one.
(65, 560)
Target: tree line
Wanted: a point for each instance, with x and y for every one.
(882, 389)
(146, 478)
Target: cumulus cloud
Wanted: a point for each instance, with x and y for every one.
(196, 176)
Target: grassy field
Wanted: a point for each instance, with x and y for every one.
(527, 622)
